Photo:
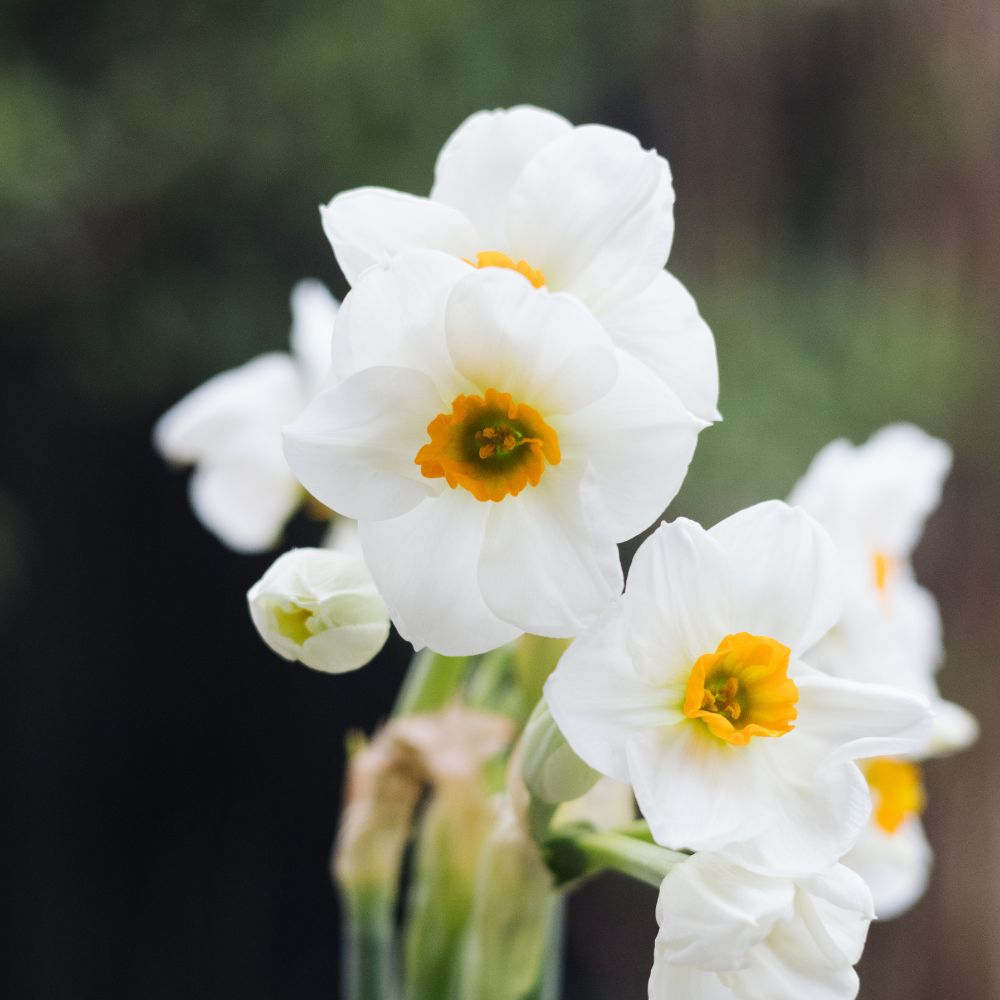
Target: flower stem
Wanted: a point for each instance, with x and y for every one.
(369, 960)
(431, 682)
(576, 854)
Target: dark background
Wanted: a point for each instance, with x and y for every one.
(173, 787)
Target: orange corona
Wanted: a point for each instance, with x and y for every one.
(489, 445)
(494, 258)
(897, 791)
(743, 689)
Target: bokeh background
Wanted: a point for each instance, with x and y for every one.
(172, 787)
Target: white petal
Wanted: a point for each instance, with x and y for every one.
(639, 439)
(370, 225)
(549, 563)
(854, 719)
(954, 729)
(246, 497)
(681, 982)
(677, 601)
(545, 350)
(396, 317)
(661, 326)
(896, 866)
(876, 497)
(711, 912)
(479, 163)
(314, 310)
(903, 470)
(695, 791)
(815, 812)
(594, 212)
(424, 564)
(597, 699)
(781, 974)
(256, 398)
(786, 575)
(354, 446)
(837, 907)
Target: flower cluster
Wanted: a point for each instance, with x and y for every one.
(513, 386)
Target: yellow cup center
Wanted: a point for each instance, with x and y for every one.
(489, 445)
(494, 258)
(897, 789)
(743, 689)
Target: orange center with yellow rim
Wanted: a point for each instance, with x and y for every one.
(490, 445)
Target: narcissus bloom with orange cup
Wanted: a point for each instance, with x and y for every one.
(494, 446)
(584, 210)
(692, 687)
(874, 500)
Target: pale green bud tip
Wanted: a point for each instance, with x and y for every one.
(551, 770)
(321, 608)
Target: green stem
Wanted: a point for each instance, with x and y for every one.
(431, 682)
(369, 959)
(574, 855)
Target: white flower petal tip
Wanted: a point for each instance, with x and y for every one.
(954, 729)
(584, 210)
(321, 608)
(730, 934)
(691, 688)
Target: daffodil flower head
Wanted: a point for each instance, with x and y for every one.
(320, 607)
(874, 500)
(727, 933)
(583, 210)
(230, 429)
(494, 446)
(693, 688)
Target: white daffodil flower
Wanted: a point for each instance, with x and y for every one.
(892, 854)
(321, 608)
(692, 688)
(494, 447)
(729, 934)
(874, 500)
(230, 429)
(584, 210)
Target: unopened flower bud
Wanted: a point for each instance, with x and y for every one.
(551, 769)
(321, 608)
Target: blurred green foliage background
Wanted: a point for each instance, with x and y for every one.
(838, 221)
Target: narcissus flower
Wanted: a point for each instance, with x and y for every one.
(692, 688)
(583, 210)
(493, 445)
(892, 854)
(874, 500)
(321, 608)
(729, 934)
(230, 429)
